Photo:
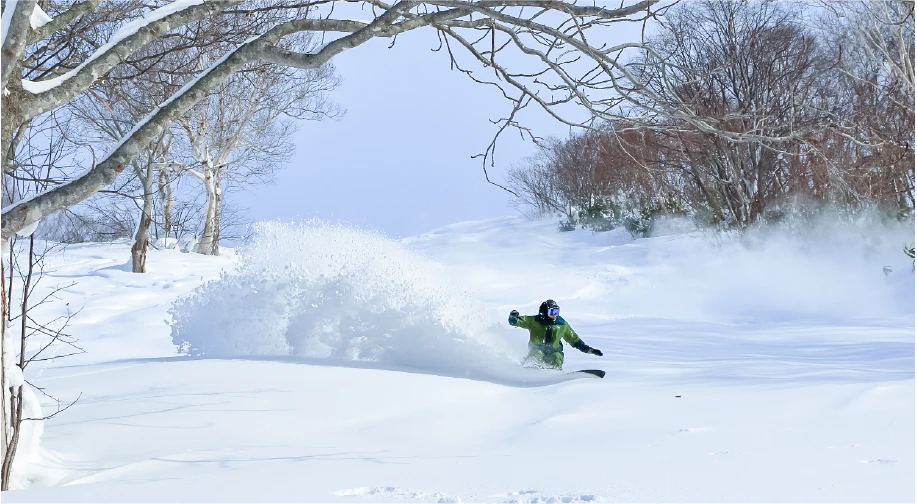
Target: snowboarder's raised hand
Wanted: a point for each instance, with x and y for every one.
(595, 351)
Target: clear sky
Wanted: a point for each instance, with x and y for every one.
(399, 161)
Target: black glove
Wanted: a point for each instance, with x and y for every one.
(514, 313)
(595, 351)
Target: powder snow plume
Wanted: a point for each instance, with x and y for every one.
(326, 291)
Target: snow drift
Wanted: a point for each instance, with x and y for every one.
(27, 450)
(326, 291)
(822, 270)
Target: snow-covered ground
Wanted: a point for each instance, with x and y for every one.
(336, 365)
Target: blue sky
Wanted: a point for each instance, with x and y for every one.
(399, 161)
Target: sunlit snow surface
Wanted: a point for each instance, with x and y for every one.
(332, 364)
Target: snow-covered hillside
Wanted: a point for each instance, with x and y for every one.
(324, 363)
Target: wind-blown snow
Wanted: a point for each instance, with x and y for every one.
(328, 291)
(827, 271)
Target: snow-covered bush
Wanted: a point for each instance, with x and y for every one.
(322, 290)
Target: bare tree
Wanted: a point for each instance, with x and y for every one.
(106, 113)
(751, 68)
(241, 132)
(38, 340)
(247, 120)
(871, 136)
(829, 122)
(534, 180)
(599, 178)
(27, 261)
(884, 33)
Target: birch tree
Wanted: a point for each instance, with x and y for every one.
(883, 37)
(241, 132)
(889, 38)
(107, 112)
(872, 133)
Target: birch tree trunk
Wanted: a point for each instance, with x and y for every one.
(206, 243)
(166, 200)
(218, 211)
(142, 238)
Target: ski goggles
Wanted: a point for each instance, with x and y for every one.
(554, 311)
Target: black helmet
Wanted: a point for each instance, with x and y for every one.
(543, 309)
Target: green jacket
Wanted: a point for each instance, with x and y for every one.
(546, 334)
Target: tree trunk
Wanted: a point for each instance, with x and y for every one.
(142, 238)
(166, 200)
(9, 293)
(141, 244)
(15, 425)
(217, 212)
(3, 362)
(206, 243)
(8, 429)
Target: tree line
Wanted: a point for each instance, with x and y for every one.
(805, 105)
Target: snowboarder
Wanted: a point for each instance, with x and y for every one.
(545, 332)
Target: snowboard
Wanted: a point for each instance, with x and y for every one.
(598, 373)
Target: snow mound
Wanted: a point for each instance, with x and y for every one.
(28, 450)
(825, 270)
(326, 291)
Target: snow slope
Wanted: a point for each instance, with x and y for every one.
(772, 367)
